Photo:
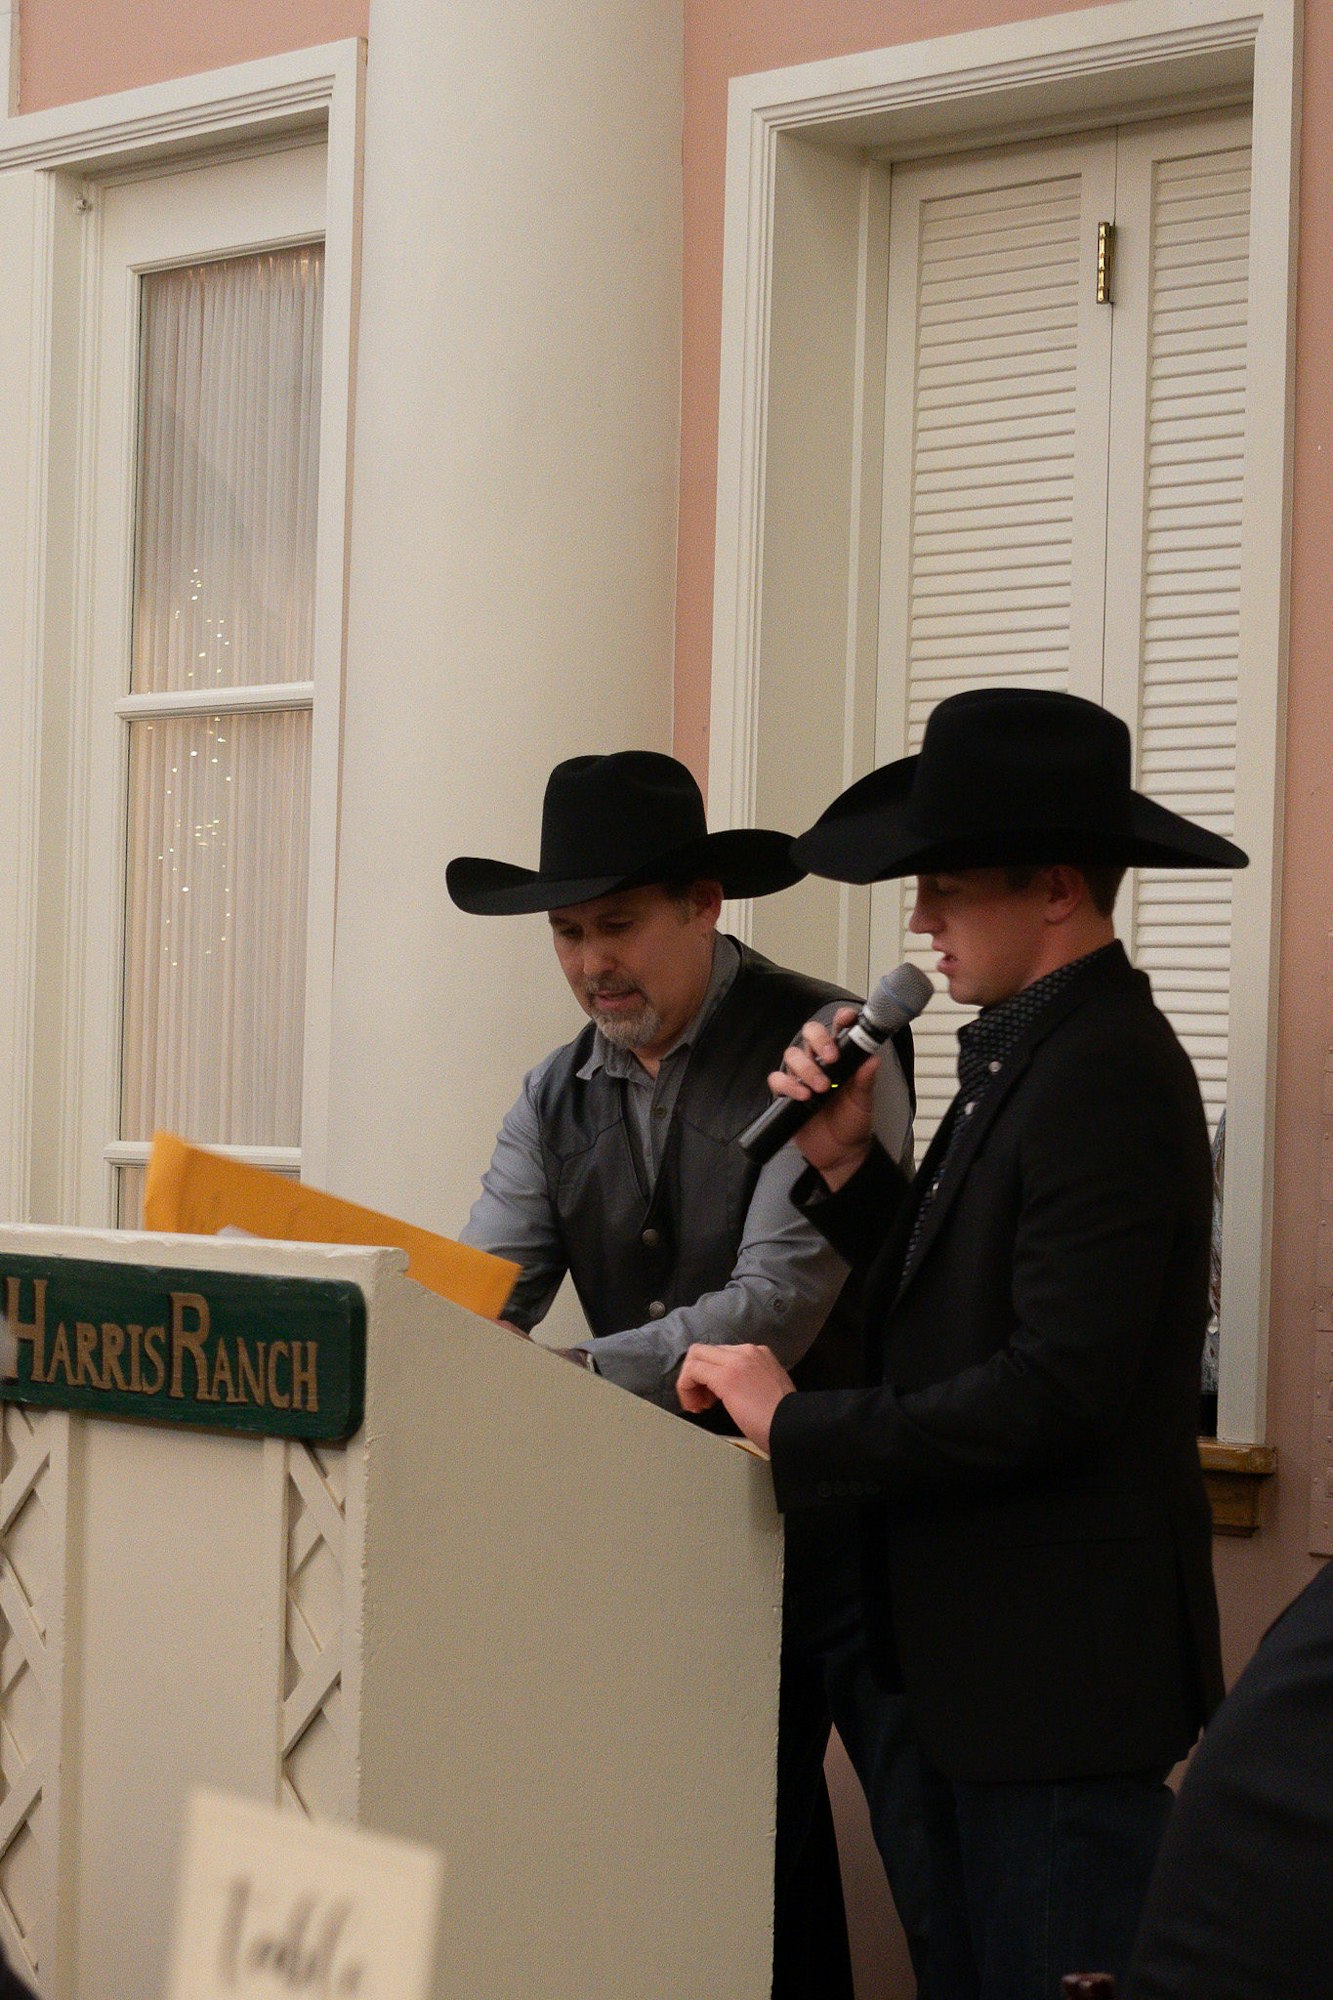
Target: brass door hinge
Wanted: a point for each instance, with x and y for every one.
(1105, 262)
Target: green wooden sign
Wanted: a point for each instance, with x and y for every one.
(273, 1357)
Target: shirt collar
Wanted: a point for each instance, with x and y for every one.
(620, 1062)
(985, 1045)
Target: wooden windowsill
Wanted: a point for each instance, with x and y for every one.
(1234, 1475)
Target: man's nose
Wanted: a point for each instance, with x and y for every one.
(598, 959)
(919, 922)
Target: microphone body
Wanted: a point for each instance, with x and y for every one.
(898, 999)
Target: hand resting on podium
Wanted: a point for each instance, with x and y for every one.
(749, 1380)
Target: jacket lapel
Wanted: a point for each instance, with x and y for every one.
(1113, 970)
(976, 1128)
(893, 1256)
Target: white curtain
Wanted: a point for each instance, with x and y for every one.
(228, 471)
(214, 986)
(218, 812)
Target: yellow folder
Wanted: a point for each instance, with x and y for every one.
(192, 1192)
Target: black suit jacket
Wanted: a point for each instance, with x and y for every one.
(1239, 1907)
(1038, 1537)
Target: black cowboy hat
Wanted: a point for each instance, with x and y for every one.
(615, 823)
(1006, 776)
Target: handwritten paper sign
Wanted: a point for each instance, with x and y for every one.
(273, 1906)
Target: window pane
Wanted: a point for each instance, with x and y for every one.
(130, 1192)
(215, 927)
(129, 1197)
(228, 471)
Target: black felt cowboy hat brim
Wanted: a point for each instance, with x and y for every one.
(747, 861)
(869, 835)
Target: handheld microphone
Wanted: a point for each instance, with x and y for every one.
(898, 999)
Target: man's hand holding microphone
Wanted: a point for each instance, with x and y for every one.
(832, 1070)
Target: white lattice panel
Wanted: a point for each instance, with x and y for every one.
(317, 1745)
(32, 1562)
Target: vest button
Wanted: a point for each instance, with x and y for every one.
(651, 1237)
(656, 1310)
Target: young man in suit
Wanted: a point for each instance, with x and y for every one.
(1036, 1538)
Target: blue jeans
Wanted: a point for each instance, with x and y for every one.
(1031, 1881)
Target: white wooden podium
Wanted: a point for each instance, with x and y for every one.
(519, 1615)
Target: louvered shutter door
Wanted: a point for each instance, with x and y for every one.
(1177, 525)
(995, 460)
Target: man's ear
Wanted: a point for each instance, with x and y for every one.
(706, 898)
(1066, 893)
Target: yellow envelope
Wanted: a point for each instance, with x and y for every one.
(189, 1191)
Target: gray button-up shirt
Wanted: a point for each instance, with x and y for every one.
(786, 1276)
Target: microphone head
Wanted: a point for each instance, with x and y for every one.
(898, 999)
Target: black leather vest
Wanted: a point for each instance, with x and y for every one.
(635, 1254)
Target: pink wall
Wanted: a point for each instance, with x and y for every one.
(725, 38)
(72, 49)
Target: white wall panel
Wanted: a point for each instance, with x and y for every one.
(995, 464)
(513, 539)
(1174, 545)
(1063, 488)
(20, 220)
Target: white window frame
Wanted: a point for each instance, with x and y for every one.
(108, 407)
(50, 162)
(807, 189)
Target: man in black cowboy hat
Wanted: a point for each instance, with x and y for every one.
(618, 1165)
(1036, 1538)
